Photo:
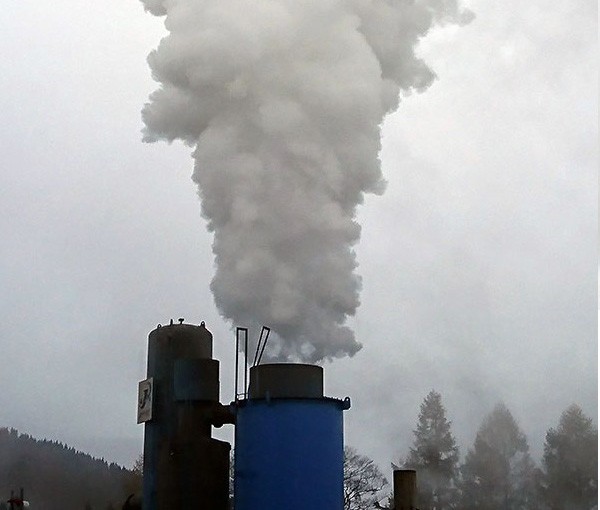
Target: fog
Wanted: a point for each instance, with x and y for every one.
(478, 263)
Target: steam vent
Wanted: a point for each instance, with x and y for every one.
(289, 445)
(289, 441)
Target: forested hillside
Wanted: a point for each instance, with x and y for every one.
(57, 477)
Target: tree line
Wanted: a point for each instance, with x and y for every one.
(57, 477)
(497, 472)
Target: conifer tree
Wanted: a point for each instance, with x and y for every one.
(434, 455)
(498, 473)
(571, 463)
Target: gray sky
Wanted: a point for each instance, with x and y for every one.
(479, 263)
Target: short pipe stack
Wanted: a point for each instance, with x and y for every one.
(405, 489)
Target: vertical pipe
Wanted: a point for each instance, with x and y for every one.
(246, 365)
(237, 363)
(405, 489)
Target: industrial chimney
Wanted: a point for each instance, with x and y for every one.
(289, 445)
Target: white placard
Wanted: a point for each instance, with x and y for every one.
(145, 400)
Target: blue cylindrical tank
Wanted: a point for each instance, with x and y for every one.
(289, 448)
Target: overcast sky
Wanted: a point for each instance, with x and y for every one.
(479, 263)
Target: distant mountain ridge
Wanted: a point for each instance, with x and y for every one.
(55, 476)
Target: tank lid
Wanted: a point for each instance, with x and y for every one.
(286, 380)
(182, 341)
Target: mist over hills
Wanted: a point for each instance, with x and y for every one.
(55, 476)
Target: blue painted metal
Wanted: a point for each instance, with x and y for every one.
(289, 454)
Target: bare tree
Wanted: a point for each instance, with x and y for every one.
(132, 483)
(363, 481)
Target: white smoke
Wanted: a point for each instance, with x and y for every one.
(283, 101)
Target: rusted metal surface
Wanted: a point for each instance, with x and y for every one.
(184, 467)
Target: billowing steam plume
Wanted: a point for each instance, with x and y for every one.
(283, 101)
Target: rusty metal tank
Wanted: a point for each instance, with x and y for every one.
(184, 467)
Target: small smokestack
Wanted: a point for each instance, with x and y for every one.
(405, 489)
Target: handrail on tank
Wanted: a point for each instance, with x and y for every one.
(264, 337)
(239, 394)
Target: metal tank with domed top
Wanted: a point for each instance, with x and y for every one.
(184, 467)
